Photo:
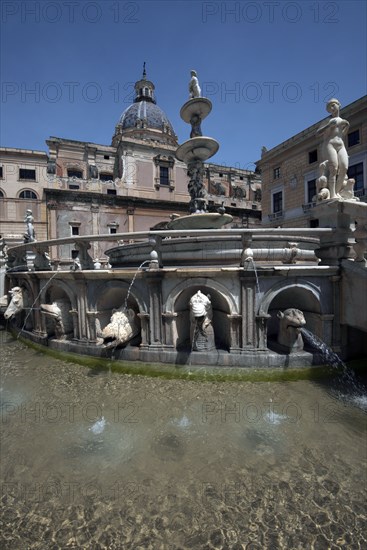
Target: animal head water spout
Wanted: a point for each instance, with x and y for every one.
(16, 302)
(291, 322)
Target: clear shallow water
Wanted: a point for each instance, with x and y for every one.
(104, 460)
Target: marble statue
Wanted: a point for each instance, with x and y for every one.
(333, 180)
(194, 88)
(123, 326)
(201, 315)
(195, 122)
(290, 323)
(30, 235)
(16, 303)
(195, 186)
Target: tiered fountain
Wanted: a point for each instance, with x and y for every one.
(191, 293)
(194, 152)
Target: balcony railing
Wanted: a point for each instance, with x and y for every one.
(308, 206)
(276, 215)
(361, 193)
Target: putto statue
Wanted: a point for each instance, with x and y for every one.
(333, 182)
(194, 88)
(201, 329)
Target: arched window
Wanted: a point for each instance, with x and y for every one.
(1, 194)
(28, 194)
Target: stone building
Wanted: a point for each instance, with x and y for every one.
(23, 178)
(135, 184)
(289, 170)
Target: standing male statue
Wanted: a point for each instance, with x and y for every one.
(194, 88)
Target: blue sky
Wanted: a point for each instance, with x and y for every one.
(68, 67)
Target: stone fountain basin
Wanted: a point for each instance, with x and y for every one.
(210, 220)
(202, 251)
(198, 106)
(197, 148)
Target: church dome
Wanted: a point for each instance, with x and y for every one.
(144, 119)
(144, 114)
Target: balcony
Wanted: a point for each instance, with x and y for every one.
(361, 194)
(276, 215)
(308, 206)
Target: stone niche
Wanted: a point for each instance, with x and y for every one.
(220, 321)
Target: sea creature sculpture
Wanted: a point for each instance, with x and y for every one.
(16, 303)
(290, 323)
(123, 326)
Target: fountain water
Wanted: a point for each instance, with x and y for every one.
(329, 357)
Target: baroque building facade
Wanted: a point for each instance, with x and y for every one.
(134, 184)
(289, 171)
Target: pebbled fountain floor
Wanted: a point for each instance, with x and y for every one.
(97, 460)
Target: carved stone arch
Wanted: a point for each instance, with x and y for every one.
(223, 304)
(301, 295)
(53, 292)
(109, 295)
(46, 294)
(296, 288)
(101, 288)
(170, 302)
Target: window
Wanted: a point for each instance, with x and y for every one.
(163, 175)
(111, 192)
(353, 138)
(311, 190)
(26, 174)
(356, 172)
(312, 156)
(1, 172)
(106, 157)
(112, 228)
(314, 223)
(28, 194)
(220, 175)
(1, 195)
(277, 202)
(241, 178)
(72, 173)
(74, 230)
(73, 186)
(104, 176)
(276, 173)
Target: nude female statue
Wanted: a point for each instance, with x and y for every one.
(334, 153)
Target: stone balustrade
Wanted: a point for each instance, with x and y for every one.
(264, 245)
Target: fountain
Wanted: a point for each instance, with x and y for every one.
(194, 152)
(199, 293)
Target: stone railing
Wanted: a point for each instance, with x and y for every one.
(295, 245)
